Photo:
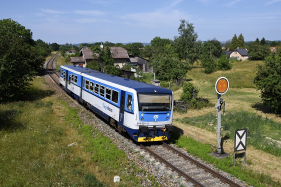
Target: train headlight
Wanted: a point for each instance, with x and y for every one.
(141, 114)
(142, 118)
(167, 118)
(168, 114)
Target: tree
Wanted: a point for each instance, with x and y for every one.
(268, 80)
(139, 75)
(234, 43)
(105, 59)
(227, 44)
(257, 41)
(119, 45)
(185, 43)
(54, 47)
(19, 59)
(147, 51)
(223, 63)
(167, 65)
(263, 42)
(208, 63)
(217, 47)
(160, 42)
(258, 52)
(241, 42)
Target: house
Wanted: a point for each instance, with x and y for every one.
(119, 54)
(71, 52)
(239, 54)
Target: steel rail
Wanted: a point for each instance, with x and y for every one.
(174, 168)
(200, 165)
(52, 69)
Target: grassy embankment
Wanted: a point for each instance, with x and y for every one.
(243, 110)
(34, 137)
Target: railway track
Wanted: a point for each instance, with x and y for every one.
(196, 173)
(50, 69)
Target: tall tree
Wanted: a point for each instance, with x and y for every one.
(241, 42)
(185, 43)
(257, 41)
(19, 59)
(167, 65)
(263, 42)
(234, 43)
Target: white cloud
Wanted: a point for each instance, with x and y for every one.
(232, 3)
(273, 1)
(86, 20)
(52, 11)
(90, 13)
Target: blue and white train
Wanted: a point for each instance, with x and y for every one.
(142, 110)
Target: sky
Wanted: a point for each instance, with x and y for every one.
(126, 21)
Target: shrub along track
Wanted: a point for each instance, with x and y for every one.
(174, 170)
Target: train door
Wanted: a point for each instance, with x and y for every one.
(129, 109)
(66, 78)
(122, 104)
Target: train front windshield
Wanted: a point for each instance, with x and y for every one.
(155, 102)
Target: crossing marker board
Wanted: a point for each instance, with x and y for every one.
(222, 85)
(240, 140)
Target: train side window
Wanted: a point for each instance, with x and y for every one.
(115, 96)
(91, 86)
(129, 102)
(101, 90)
(75, 78)
(64, 75)
(87, 85)
(107, 93)
(96, 88)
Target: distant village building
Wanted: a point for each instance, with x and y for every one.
(119, 54)
(239, 54)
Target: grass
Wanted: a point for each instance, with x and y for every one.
(33, 145)
(258, 128)
(202, 151)
(240, 76)
(34, 136)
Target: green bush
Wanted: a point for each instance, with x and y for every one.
(223, 63)
(268, 80)
(209, 64)
(187, 93)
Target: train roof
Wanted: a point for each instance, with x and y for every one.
(136, 85)
(79, 69)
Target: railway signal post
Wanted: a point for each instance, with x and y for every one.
(221, 87)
